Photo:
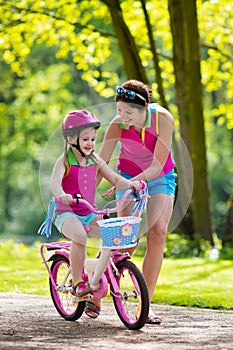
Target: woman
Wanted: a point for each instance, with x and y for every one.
(144, 131)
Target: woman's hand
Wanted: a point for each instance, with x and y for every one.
(66, 198)
(136, 184)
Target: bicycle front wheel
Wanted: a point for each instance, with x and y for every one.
(63, 299)
(131, 301)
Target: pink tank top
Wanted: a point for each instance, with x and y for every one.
(79, 180)
(136, 153)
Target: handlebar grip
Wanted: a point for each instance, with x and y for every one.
(133, 191)
(143, 184)
(136, 193)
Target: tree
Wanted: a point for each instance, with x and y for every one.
(186, 49)
(86, 32)
(132, 62)
(227, 234)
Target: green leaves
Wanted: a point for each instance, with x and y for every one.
(57, 55)
(70, 27)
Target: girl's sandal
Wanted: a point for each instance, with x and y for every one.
(92, 310)
(81, 288)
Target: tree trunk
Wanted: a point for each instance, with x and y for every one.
(157, 68)
(227, 233)
(189, 101)
(132, 61)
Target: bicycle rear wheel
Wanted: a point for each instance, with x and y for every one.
(63, 300)
(132, 301)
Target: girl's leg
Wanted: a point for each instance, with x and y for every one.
(93, 307)
(159, 211)
(74, 230)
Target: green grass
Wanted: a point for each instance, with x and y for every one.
(187, 282)
(196, 282)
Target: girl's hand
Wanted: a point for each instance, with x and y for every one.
(66, 198)
(109, 192)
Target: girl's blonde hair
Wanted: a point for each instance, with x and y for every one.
(65, 158)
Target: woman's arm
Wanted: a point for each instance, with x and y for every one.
(162, 147)
(113, 178)
(111, 137)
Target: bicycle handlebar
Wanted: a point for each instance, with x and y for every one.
(105, 210)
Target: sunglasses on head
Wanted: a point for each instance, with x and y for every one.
(129, 94)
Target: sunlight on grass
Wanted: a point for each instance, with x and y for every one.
(187, 282)
(21, 269)
(196, 282)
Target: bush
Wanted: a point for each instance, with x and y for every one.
(226, 253)
(178, 246)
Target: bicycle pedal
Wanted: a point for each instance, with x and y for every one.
(79, 299)
(85, 297)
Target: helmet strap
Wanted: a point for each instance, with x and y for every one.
(89, 156)
(77, 147)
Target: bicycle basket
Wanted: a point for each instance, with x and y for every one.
(120, 232)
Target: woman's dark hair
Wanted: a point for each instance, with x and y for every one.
(138, 87)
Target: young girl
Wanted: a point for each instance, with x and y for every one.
(75, 173)
(144, 131)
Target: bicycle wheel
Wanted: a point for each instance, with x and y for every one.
(132, 300)
(63, 300)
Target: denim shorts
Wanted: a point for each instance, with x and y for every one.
(161, 185)
(85, 220)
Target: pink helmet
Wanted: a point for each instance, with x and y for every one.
(77, 120)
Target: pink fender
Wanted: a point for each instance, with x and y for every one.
(63, 252)
(59, 248)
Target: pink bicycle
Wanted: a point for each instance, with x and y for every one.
(111, 268)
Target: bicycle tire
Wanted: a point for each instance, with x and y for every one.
(132, 305)
(64, 301)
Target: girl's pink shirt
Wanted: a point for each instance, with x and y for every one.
(136, 153)
(79, 180)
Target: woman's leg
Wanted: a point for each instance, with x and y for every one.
(159, 211)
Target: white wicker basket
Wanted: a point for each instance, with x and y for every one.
(120, 232)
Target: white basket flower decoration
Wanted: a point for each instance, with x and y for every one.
(134, 238)
(117, 241)
(126, 230)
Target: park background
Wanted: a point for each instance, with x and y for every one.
(61, 55)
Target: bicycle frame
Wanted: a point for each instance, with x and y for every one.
(109, 265)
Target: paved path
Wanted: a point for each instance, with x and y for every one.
(31, 322)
